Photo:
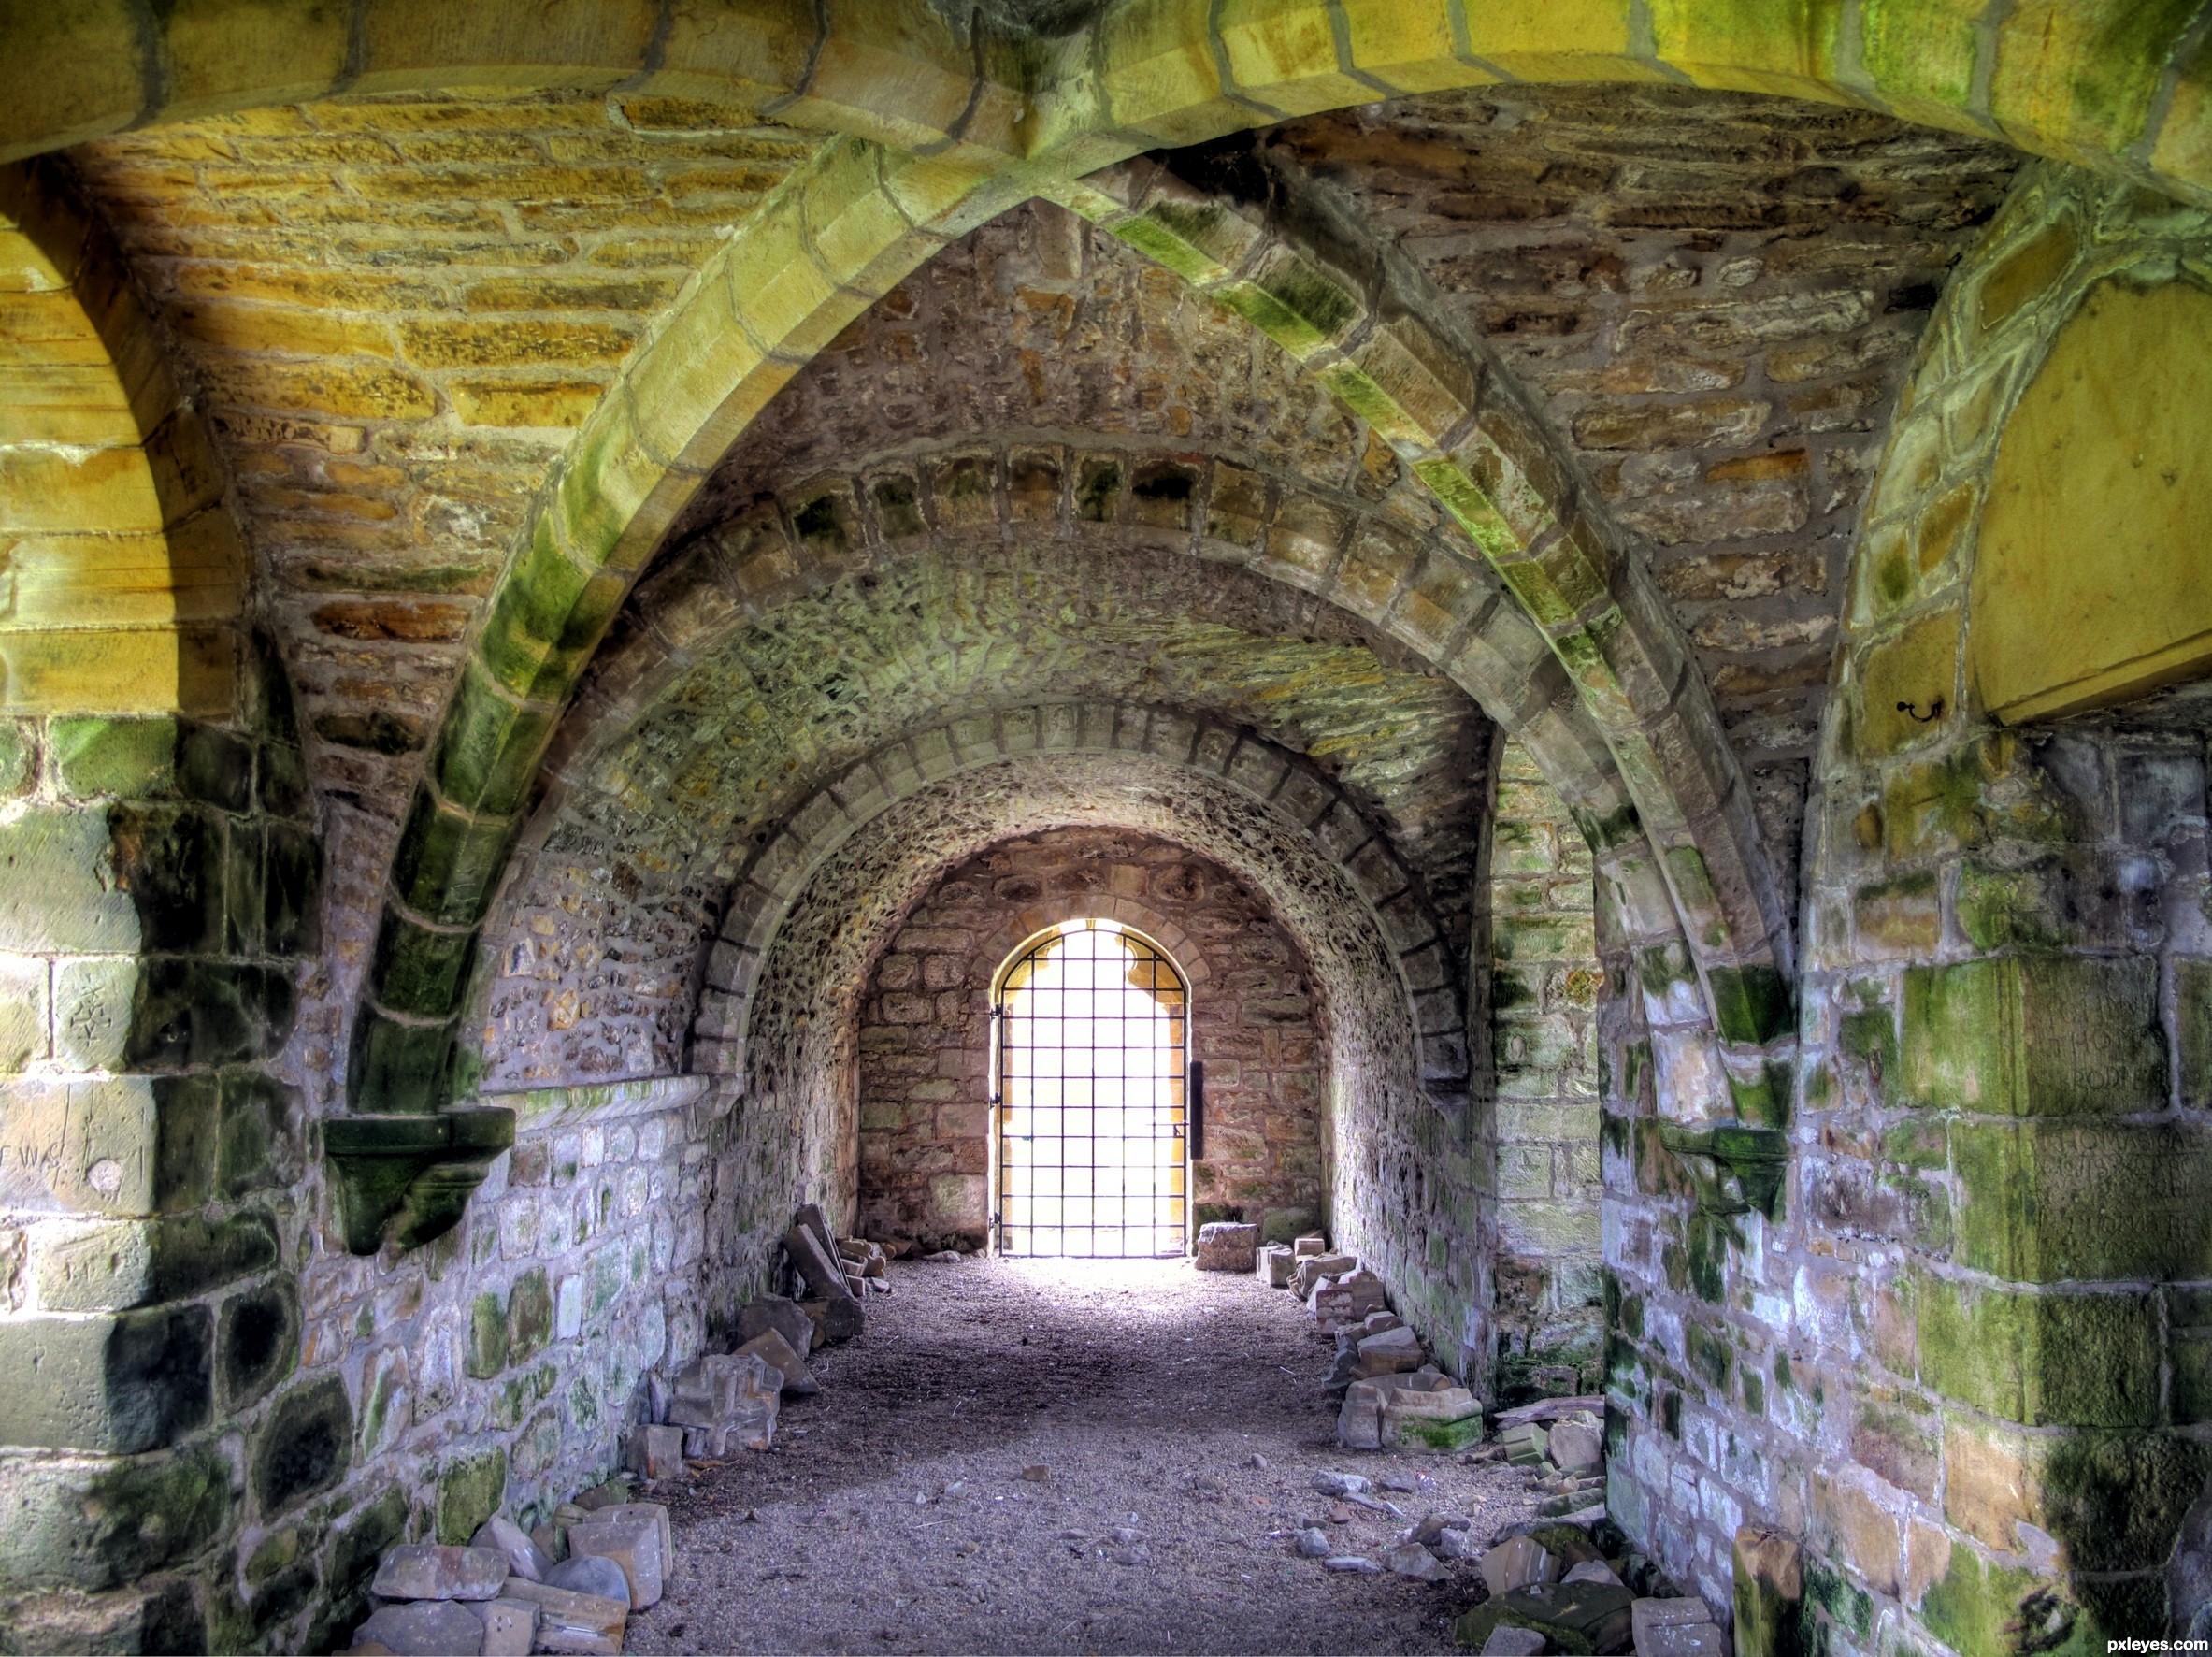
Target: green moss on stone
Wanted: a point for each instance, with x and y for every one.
(2035, 1036)
(529, 1315)
(469, 1491)
(2097, 1201)
(487, 1337)
(2042, 1359)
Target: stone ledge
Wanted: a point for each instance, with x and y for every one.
(538, 1109)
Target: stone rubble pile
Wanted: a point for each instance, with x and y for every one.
(1394, 1398)
(728, 1402)
(1561, 1440)
(568, 1587)
(1565, 1583)
(1555, 1585)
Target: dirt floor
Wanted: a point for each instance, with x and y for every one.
(1062, 1456)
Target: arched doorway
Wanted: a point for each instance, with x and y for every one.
(1090, 1095)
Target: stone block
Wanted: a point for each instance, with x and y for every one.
(770, 1345)
(1312, 1268)
(1576, 1446)
(2042, 1359)
(1769, 1592)
(586, 1624)
(469, 1491)
(658, 1513)
(632, 1542)
(589, 1573)
(787, 1317)
(1343, 1299)
(525, 1558)
(1359, 1418)
(424, 1570)
(1312, 1244)
(121, 1384)
(2035, 1036)
(2092, 1200)
(305, 1445)
(1509, 1639)
(1276, 1263)
(58, 894)
(1518, 1562)
(1228, 1246)
(656, 1452)
(427, 1628)
(1649, 1618)
(96, 1525)
(511, 1628)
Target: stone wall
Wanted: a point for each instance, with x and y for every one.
(926, 1037)
(1544, 983)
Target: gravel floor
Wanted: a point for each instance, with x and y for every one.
(1178, 1418)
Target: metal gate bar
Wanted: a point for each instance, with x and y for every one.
(1091, 1024)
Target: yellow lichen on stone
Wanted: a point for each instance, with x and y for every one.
(2094, 577)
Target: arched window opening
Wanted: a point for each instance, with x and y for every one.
(1091, 1095)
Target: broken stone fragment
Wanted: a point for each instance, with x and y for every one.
(1593, 1570)
(788, 1318)
(1342, 1484)
(1525, 1444)
(1352, 1564)
(525, 1558)
(1359, 1420)
(427, 1628)
(1509, 1639)
(770, 1347)
(1675, 1628)
(1312, 1268)
(1434, 1526)
(424, 1570)
(1312, 1543)
(632, 1542)
(656, 1512)
(1410, 1559)
(1577, 1444)
(811, 1218)
(1394, 1351)
(835, 1320)
(816, 1263)
(511, 1628)
(584, 1573)
(1518, 1562)
(726, 1399)
(570, 1622)
(1454, 1545)
(1347, 1298)
(1227, 1246)
(656, 1452)
(1572, 1617)
(1313, 1243)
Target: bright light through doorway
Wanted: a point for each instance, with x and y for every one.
(1090, 1024)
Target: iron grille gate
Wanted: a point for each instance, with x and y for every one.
(1091, 1100)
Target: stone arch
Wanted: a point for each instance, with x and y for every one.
(1284, 785)
(2007, 929)
(1280, 252)
(126, 576)
(2125, 92)
(158, 885)
(1406, 1134)
(962, 937)
(1139, 75)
